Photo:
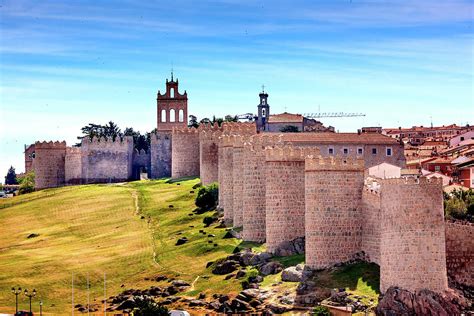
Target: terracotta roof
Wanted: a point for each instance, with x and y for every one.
(443, 160)
(342, 138)
(285, 118)
(422, 128)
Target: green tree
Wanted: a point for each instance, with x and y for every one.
(289, 129)
(146, 306)
(207, 197)
(455, 208)
(231, 118)
(193, 122)
(27, 183)
(10, 178)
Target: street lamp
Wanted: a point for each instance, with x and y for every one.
(41, 308)
(30, 296)
(16, 292)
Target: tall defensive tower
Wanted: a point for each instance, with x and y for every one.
(263, 111)
(172, 107)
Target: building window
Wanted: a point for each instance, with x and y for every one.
(360, 151)
(437, 168)
(374, 151)
(331, 150)
(345, 151)
(388, 151)
(172, 92)
(181, 115)
(172, 115)
(263, 101)
(263, 112)
(462, 138)
(163, 116)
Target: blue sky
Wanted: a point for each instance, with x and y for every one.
(64, 64)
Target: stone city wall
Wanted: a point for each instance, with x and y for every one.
(160, 155)
(209, 153)
(238, 166)
(185, 152)
(49, 164)
(371, 219)
(333, 190)
(141, 163)
(29, 158)
(73, 165)
(226, 200)
(285, 194)
(254, 186)
(105, 160)
(460, 252)
(412, 249)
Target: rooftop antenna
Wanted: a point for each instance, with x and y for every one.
(263, 88)
(171, 71)
(431, 119)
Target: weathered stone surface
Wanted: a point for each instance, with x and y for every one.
(225, 267)
(292, 274)
(270, 268)
(402, 302)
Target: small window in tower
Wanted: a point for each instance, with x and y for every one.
(374, 151)
(263, 101)
(181, 115)
(172, 93)
(360, 151)
(172, 115)
(389, 151)
(331, 150)
(163, 116)
(263, 112)
(345, 151)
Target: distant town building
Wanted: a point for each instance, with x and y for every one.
(417, 135)
(285, 121)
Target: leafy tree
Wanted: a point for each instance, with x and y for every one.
(193, 121)
(27, 183)
(207, 197)
(230, 118)
(289, 129)
(140, 141)
(11, 176)
(146, 306)
(321, 311)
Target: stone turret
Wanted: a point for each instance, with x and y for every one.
(185, 152)
(49, 164)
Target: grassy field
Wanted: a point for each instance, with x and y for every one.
(127, 231)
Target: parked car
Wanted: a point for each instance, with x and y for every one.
(3, 194)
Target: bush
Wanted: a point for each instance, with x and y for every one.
(146, 306)
(207, 197)
(208, 220)
(321, 311)
(27, 183)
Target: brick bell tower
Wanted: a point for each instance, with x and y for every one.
(172, 107)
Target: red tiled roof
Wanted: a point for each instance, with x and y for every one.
(342, 138)
(285, 118)
(421, 129)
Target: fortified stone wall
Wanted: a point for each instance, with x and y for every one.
(254, 186)
(160, 155)
(226, 200)
(29, 158)
(239, 166)
(333, 187)
(285, 194)
(141, 163)
(460, 252)
(371, 219)
(185, 152)
(49, 164)
(105, 160)
(73, 165)
(209, 153)
(413, 254)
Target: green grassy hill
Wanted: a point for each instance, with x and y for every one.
(127, 231)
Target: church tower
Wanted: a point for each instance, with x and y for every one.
(172, 107)
(263, 111)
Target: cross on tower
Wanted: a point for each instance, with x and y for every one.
(263, 88)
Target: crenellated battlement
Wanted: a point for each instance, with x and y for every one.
(209, 127)
(50, 145)
(73, 150)
(209, 135)
(410, 181)
(141, 152)
(333, 163)
(185, 131)
(240, 141)
(240, 127)
(226, 140)
(109, 144)
(289, 152)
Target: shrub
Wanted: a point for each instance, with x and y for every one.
(455, 208)
(208, 220)
(27, 183)
(321, 311)
(207, 197)
(146, 306)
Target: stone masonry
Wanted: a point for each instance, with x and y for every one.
(209, 153)
(185, 152)
(459, 252)
(333, 191)
(49, 164)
